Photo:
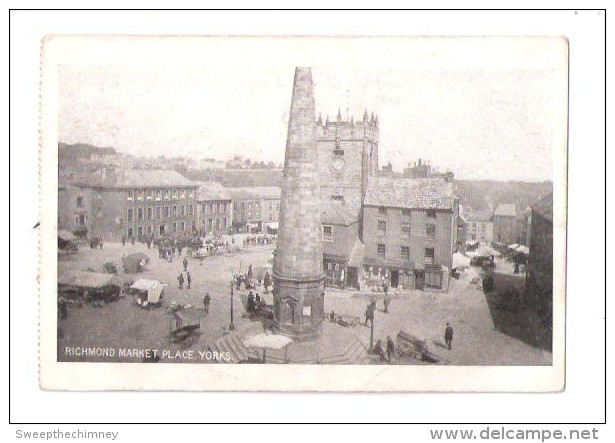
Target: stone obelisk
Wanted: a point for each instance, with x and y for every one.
(297, 269)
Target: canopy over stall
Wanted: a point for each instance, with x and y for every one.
(153, 288)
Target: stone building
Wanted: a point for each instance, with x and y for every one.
(347, 157)
(131, 203)
(422, 169)
(341, 245)
(540, 260)
(256, 209)
(410, 232)
(214, 213)
(479, 226)
(505, 224)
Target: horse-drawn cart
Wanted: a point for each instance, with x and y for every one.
(410, 346)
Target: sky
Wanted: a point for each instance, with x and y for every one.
(482, 109)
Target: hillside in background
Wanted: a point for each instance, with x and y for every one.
(237, 177)
(488, 194)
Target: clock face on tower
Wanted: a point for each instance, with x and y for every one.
(338, 164)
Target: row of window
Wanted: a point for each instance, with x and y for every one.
(405, 253)
(430, 213)
(159, 194)
(214, 208)
(209, 224)
(430, 229)
(159, 212)
(256, 205)
(160, 229)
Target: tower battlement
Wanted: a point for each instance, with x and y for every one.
(348, 129)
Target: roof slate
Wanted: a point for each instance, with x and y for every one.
(544, 207)
(334, 213)
(506, 210)
(136, 178)
(425, 193)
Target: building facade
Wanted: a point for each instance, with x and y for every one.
(341, 245)
(479, 226)
(505, 224)
(540, 260)
(256, 209)
(214, 209)
(347, 157)
(131, 203)
(410, 232)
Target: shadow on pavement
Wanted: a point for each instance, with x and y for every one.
(511, 317)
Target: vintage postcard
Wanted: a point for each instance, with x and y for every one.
(303, 213)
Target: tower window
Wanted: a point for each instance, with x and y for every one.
(337, 197)
(338, 151)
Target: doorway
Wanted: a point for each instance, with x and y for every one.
(419, 280)
(394, 278)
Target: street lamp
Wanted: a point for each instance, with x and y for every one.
(231, 325)
(371, 334)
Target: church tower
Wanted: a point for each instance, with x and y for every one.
(347, 157)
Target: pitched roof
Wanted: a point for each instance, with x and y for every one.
(425, 193)
(212, 191)
(544, 207)
(335, 213)
(250, 192)
(478, 216)
(506, 210)
(136, 178)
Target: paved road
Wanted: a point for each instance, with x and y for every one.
(484, 333)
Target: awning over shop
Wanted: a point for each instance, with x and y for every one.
(356, 255)
(272, 225)
(460, 260)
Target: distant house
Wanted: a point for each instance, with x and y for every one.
(540, 260)
(340, 239)
(214, 208)
(505, 224)
(256, 209)
(410, 231)
(479, 226)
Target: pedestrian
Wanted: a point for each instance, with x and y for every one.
(390, 348)
(206, 302)
(149, 243)
(100, 244)
(188, 279)
(267, 281)
(123, 240)
(62, 308)
(180, 281)
(379, 350)
(387, 302)
(369, 313)
(185, 262)
(251, 302)
(132, 240)
(448, 336)
(385, 287)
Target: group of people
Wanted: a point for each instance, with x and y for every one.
(258, 240)
(250, 282)
(254, 303)
(385, 354)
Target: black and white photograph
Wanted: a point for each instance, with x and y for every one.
(385, 204)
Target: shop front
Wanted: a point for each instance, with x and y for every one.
(395, 273)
